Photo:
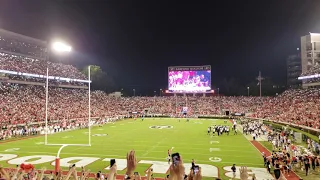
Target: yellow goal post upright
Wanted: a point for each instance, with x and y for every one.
(57, 161)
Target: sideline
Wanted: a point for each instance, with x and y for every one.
(291, 176)
(20, 139)
(261, 149)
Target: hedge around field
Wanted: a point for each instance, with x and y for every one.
(279, 126)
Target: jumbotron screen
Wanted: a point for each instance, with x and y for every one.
(189, 79)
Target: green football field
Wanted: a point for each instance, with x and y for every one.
(151, 140)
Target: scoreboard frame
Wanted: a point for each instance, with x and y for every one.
(189, 68)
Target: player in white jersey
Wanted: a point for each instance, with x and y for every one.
(169, 155)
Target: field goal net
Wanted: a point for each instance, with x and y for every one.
(49, 131)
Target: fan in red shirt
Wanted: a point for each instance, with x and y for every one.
(26, 167)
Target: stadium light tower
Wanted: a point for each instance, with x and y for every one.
(61, 47)
(248, 90)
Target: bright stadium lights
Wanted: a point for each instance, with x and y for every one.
(61, 47)
(314, 34)
(309, 77)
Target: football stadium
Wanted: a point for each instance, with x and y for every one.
(54, 125)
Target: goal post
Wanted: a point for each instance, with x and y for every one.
(57, 161)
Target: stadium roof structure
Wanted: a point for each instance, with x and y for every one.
(20, 36)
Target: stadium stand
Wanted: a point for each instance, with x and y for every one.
(35, 66)
(312, 71)
(294, 106)
(25, 103)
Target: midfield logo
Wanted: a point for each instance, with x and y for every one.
(161, 127)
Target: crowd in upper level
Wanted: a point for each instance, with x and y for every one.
(39, 67)
(312, 71)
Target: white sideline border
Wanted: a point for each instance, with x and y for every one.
(143, 151)
(153, 147)
(218, 145)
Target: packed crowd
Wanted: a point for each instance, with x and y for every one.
(299, 106)
(287, 156)
(313, 70)
(26, 104)
(22, 103)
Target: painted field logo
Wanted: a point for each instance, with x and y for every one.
(161, 127)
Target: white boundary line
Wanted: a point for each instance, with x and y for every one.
(163, 151)
(89, 154)
(153, 147)
(216, 145)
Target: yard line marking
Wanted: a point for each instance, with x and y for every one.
(153, 147)
(12, 150)
(214, 149)
(211, 142)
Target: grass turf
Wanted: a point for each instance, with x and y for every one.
(190, 139)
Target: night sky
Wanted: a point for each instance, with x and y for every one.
(135, 41)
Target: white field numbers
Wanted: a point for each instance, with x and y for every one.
(158, 166)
